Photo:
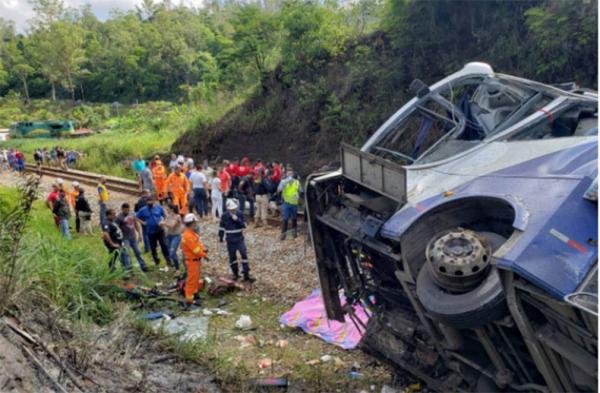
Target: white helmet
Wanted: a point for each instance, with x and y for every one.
(75, 184)
(232, 204)
(189, 218)
(59, 181)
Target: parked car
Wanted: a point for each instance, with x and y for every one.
(467, 225)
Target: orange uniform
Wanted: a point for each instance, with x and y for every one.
(160, 178)
(179, 185)
(73, 197)
(194, 251)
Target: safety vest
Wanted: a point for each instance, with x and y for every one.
(102, 192)
(290, 193)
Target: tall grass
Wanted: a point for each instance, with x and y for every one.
(69, 277)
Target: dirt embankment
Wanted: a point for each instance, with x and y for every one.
(302, 119)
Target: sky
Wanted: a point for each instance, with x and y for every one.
(20, 11)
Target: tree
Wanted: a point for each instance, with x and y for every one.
(47, 11)
(256, 37)
(15, 61)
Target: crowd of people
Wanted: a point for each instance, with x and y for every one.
(175, 198)
(56, 156)
(12, 159)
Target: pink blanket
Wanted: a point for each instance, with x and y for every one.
(310, 315)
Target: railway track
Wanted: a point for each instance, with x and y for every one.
(129, 187)
(124, 186)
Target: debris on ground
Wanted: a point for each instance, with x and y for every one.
(265, 363)
(189, 328)
(244, 323)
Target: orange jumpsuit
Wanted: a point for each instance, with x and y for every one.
(160, 177)
(179, 185)
(194, 251)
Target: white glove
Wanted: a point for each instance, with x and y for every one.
(234, 217)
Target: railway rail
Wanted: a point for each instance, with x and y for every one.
(117, 184)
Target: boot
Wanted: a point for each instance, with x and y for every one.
(294, 228)
(249, 278)
(235, 274)
(284, 225)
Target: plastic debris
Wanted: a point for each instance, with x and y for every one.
(265, 363)
(355, 375)
(274, 382)
(207, 312)
(326, 358)
(189, 328)
(244, 323)
(156, 315)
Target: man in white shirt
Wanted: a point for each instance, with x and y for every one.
(199, 186)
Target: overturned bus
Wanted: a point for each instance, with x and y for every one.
(467, 226)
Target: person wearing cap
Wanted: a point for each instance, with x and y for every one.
(231, 228)
(193, 251)
(103, 197)
(179, 185)
(73, 200)
(160, 178)
(290, 189)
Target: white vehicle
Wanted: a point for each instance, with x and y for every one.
(467, 224)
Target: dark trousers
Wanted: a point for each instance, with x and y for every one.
(233, 247)
(77, 222)
(158, 238)
(200, 202)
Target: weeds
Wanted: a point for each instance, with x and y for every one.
(13, 222)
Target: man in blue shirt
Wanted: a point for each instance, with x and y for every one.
(151, 217)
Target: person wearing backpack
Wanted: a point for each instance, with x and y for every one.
(62, 211)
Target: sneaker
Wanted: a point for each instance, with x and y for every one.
(144, 269)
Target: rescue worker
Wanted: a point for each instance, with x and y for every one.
(290, 189)
(73, 199)
(160, 178)
(231, 228)
(193, 251)
(179, 185)
(103, 197)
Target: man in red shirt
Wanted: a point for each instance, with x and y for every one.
(245, 168)
(51, 200)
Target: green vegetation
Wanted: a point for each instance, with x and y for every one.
(126, 131)
(70, 280)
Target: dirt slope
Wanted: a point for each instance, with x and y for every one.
(302, 121)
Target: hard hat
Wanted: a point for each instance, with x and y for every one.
(232, 204)
(59, 181)
(75, 184)
(189, 218)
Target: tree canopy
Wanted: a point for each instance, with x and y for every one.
(164, 51)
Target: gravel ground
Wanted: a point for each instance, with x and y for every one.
(285, 270)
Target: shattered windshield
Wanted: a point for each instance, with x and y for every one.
(457, 118)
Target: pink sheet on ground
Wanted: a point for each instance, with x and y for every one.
(310, 315)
